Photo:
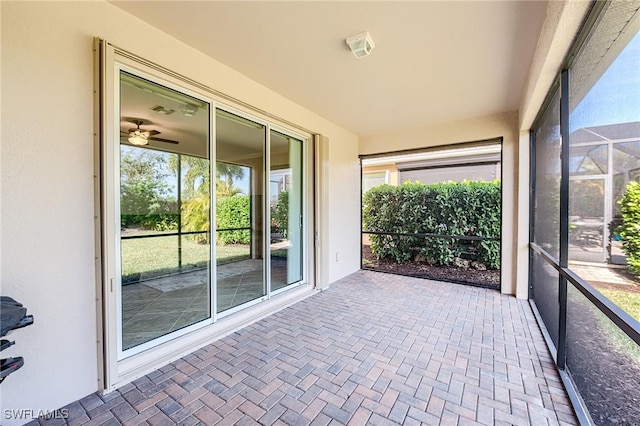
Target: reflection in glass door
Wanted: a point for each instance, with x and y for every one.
(587, 219)
(240, 231)
(285, 184)
(164, 211)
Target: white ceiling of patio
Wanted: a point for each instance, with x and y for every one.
(433, 62)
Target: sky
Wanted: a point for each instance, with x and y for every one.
(615, 98)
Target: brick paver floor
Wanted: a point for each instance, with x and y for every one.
(373, 349)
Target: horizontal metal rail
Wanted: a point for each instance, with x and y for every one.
(425, 235)
(169, 234)
(175, 234)
(623, 320)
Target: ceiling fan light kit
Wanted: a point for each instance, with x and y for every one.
(140, 137)
(361, 44)
(137, 138)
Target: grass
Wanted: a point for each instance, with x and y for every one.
(604, 327)
(626, 300)
(159, 255)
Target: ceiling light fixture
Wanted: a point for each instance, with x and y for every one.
(138, 138)
(361, 44)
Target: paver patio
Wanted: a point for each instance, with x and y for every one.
(373, 349)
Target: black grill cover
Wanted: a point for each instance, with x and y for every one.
(11, 313)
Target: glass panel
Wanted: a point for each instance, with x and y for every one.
(587, 220)
(240, 172)
(604, 139)
(545, 294)
(164, 192)
(604, 363)
(547, 180)
(286, 210)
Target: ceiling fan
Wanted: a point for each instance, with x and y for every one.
(140, 137)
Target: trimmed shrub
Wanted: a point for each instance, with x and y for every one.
(630, 229)
(453, 208)
(280, 214)
(195, 217)
(233, 212)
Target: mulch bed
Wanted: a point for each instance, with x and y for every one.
(602, 366)
(486, 279)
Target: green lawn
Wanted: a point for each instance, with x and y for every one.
(600, 325)
(159, 255)
(628, 301)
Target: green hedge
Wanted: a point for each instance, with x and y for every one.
(280, 214)
(452, 208)
(233, 212)
(630, 229)
(156, 222)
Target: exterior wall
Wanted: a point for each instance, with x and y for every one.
(47, 157)
(486, 172)
(391, 168)
(344, 210)
(503, 125)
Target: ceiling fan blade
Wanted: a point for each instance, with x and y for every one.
(152, 132)
(163, 140)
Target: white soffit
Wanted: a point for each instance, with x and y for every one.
(433, 62)
(433, 154)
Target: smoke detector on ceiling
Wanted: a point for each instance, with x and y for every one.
(163, 110)
(361, 44)
(189, 110)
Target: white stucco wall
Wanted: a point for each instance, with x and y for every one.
(503, 125)
(46, 177)
(344, 192)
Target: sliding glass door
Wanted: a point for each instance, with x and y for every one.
(208, 212)
(254, 166)
(239, 192)
(287, 219)
(202, 214)
(164, 203)
(588, 216)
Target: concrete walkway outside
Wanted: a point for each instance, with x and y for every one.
(373, 349)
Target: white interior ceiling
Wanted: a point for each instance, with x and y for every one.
(433, 61)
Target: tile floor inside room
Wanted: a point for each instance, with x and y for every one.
(158, 306)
